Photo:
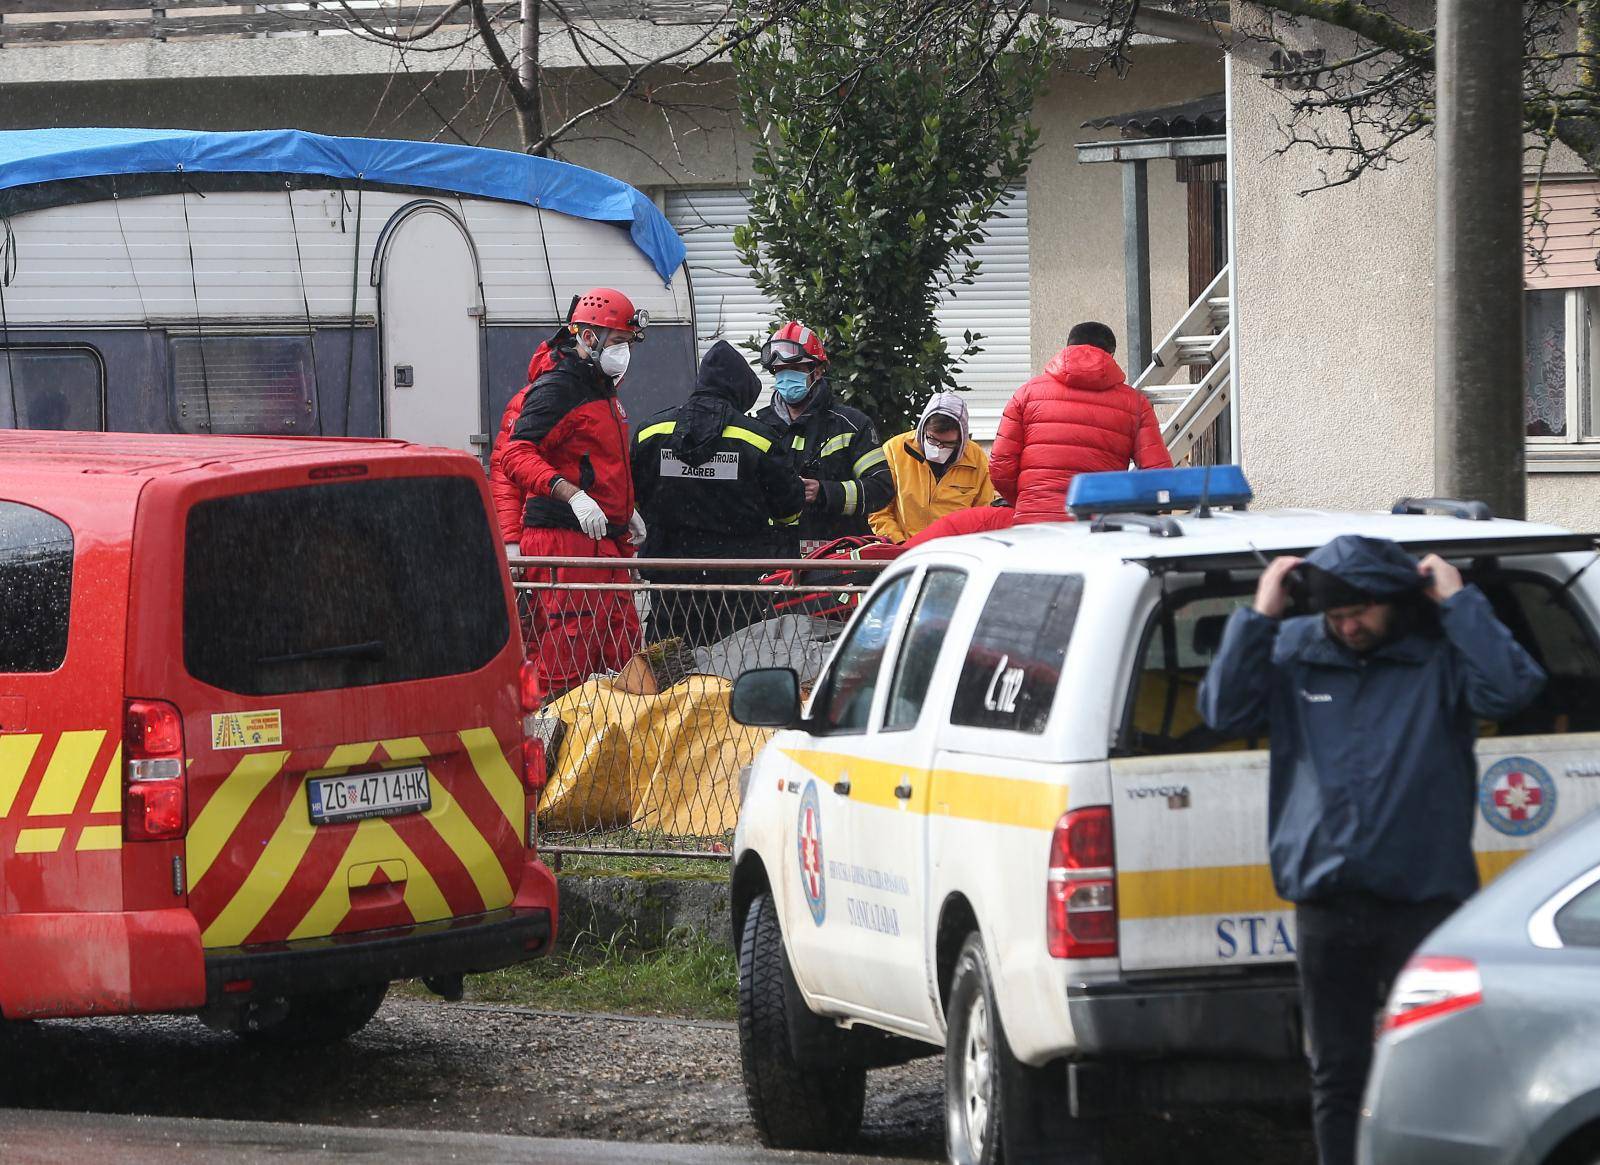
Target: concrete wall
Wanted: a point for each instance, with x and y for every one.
(1334, 331)
(1075, 211)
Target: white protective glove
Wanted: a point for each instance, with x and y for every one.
(591, 518)
(636, 529)
(513, 550)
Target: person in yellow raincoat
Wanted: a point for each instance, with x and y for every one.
(937, 470)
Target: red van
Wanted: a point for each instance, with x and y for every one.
(261, 743)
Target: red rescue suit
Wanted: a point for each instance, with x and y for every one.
(572, 428)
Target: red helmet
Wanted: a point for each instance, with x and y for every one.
(603, 307)
(793, 346)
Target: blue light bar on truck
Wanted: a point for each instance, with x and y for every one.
(1154, 491)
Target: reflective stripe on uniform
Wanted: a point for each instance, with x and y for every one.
(656, 430)
(791, 520)
(833, 444)
(849, 496)
(798, 443)
(739, 434)
(867, 460)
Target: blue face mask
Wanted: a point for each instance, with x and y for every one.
(792, 385)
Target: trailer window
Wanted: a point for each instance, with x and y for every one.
(243, 384)
(341, 585)
(1013, 663)
(35, 589)
(52, 388)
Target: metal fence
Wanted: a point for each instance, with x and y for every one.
(644, 756)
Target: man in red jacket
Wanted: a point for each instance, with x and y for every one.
(568, 452)
(1080, 416)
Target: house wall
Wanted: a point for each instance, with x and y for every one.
(1075, 224)
(1334, 325)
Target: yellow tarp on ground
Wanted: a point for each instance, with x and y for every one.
(667, 763)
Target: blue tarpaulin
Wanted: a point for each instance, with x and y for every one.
(29, 157)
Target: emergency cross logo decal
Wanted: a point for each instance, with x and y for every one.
(1517, 796)
(808, 835)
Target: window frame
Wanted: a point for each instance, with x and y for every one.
(1581, 357)
(172, 335)
(823, 693)
(76, 348)
(72, 583)
(926, 573)
(1542, 929)
(1022, 742)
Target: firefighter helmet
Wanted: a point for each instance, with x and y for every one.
(793, 346)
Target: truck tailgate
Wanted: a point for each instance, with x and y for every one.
(1193, 889)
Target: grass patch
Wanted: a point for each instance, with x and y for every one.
(690, 977)
(629, 866)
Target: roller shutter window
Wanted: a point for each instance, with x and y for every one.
(729, 306)
(1561, 312)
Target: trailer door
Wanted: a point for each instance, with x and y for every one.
(432, 307)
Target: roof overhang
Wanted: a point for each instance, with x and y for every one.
(1153, 149)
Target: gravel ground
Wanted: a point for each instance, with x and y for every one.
(492, 1069)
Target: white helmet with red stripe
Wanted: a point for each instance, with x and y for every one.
(793, 346)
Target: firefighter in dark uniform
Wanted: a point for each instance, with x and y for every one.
(712, 482)
(841, 460)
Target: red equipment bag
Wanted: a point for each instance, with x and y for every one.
(825, 603)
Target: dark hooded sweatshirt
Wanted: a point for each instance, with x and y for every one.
(712, 482)
(1374, 780)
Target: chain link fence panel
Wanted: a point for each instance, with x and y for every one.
(635, 666)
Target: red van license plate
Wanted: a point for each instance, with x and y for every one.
(386, 794)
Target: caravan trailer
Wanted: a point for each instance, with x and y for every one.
(286, 283)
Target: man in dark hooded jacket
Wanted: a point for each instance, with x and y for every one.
(1372, 708)
(714, 483)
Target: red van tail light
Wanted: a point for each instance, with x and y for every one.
(531, 688)
(535, 773)
(1081, 891)
(152, 750)
(1431, 986)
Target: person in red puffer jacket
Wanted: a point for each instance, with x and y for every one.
(1080, 416)
(510, 498)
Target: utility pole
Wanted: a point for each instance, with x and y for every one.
(1479, 407)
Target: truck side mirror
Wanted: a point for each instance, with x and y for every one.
(767, 697)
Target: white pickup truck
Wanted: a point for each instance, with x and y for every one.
(1000, 827)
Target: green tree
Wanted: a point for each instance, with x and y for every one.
(887, 135)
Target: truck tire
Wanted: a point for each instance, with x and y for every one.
(997, 1108)
(793, 1106)
(323, 1018)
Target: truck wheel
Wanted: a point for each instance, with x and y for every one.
(793, 1106)
(997, 1108)
(324, 1018)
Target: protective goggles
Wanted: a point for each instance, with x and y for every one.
(779, 353)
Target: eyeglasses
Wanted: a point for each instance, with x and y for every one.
(940, 441)
(776, 354)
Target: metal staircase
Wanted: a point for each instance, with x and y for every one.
(1202, 339)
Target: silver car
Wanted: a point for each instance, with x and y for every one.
(1490, 1051)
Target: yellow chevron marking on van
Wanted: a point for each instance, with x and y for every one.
(489, 762)
(970, 796)
(344, 758)
(109, 798)
(67, 773)
(100, 837)
(227, 807)
(274, 867)
(39, 841)
(406, 748)
(375, 841)
(16, 754)
(1220, 890)
(456, 830)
